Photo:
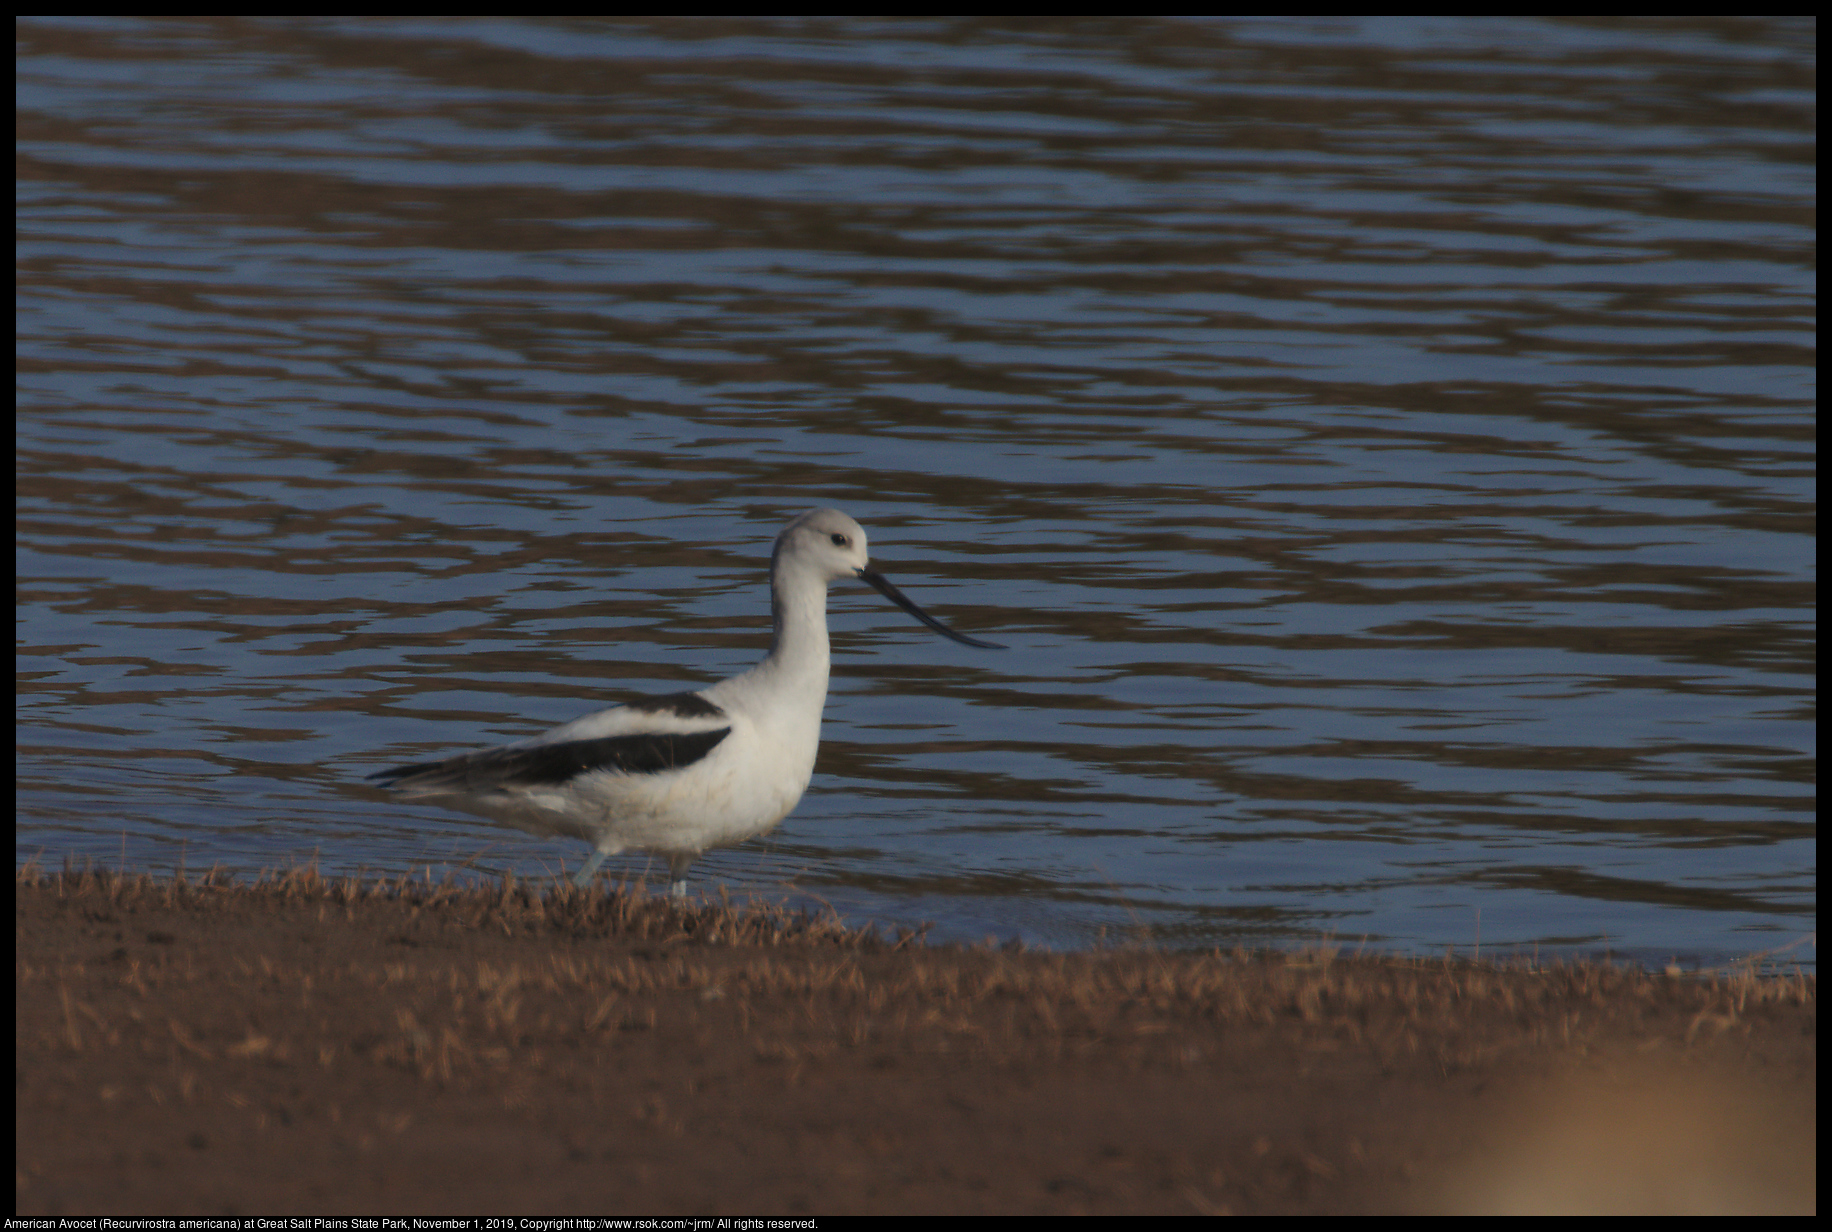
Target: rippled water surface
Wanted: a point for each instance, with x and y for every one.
(1386, 448)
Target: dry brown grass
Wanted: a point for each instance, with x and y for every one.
(510, 1022)
(640, 945)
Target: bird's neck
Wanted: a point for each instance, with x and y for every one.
(798, 610)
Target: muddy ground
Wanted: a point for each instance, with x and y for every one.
(303, 1045)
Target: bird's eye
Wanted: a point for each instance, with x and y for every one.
(839, 541)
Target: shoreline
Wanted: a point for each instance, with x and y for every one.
(311, 1045)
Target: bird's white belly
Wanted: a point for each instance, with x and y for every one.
(740, 789)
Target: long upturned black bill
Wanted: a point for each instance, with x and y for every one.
(878, 582)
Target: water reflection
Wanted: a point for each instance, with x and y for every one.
(1387, 446)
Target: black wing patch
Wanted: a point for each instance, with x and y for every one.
(681, 705)
(547, 764)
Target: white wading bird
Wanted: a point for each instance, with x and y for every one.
(683, 772)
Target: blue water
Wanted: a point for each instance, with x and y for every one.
(1386, 446)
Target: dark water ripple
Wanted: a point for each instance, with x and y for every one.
(1387, 445)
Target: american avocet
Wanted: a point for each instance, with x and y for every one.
(679, 773)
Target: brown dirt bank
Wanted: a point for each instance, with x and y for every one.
(309, 1046)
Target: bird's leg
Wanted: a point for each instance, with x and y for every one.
(591, 866)
(677, 871)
